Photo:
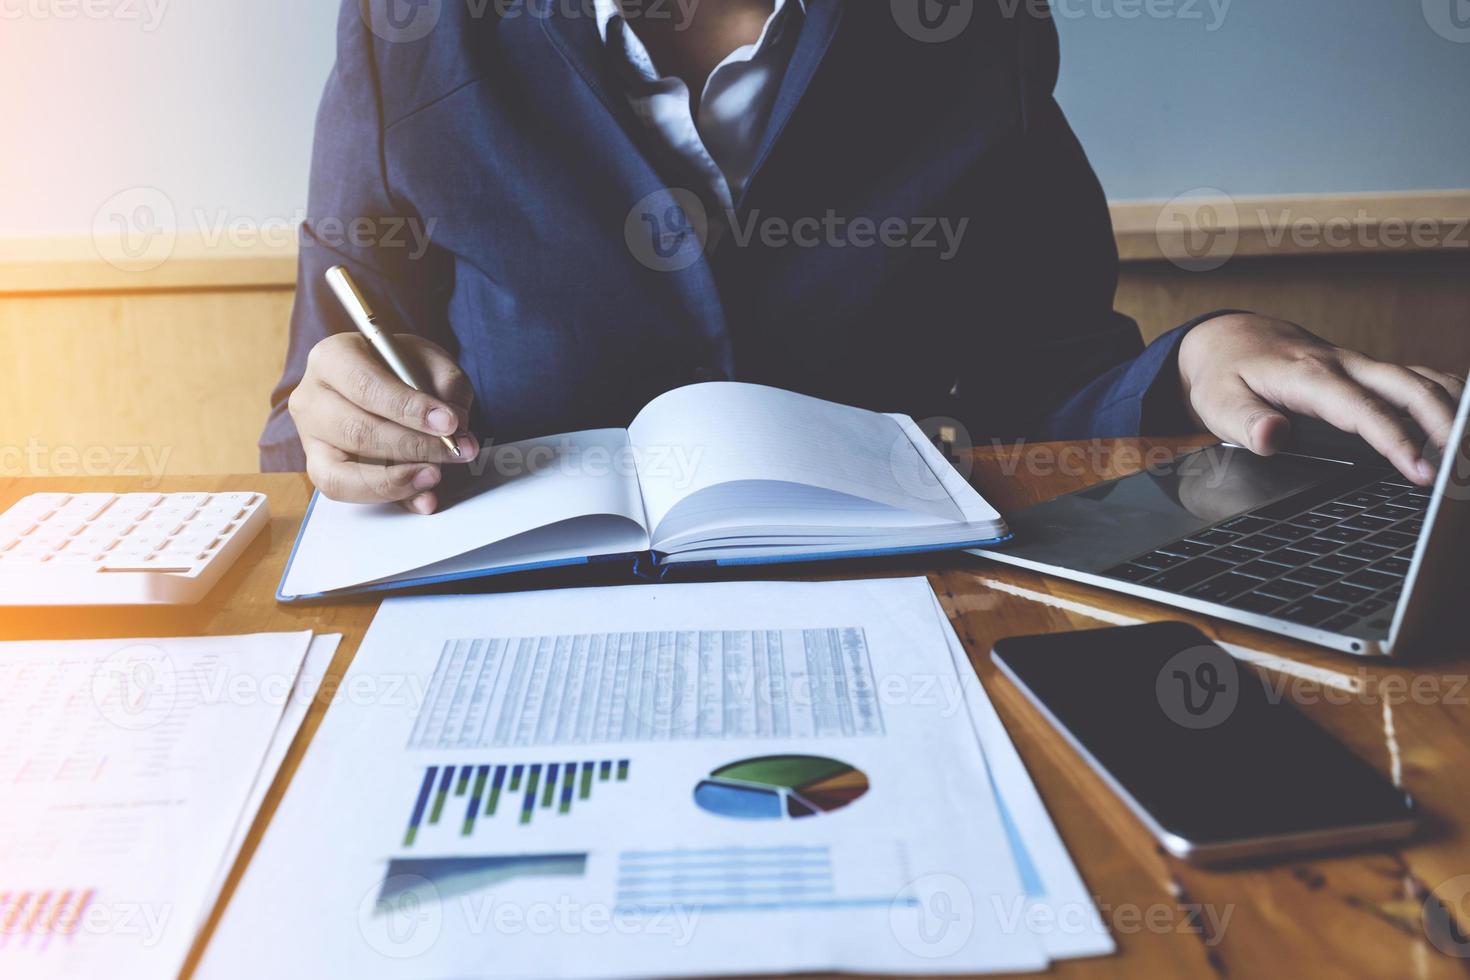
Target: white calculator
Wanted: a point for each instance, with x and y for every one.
(122, 549)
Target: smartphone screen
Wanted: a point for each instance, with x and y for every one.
(1199, 745)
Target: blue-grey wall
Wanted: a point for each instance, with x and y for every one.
(212, 103)
(1269, 96)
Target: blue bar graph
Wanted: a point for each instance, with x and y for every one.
(555, 787)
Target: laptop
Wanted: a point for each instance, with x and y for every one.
(1325, 542)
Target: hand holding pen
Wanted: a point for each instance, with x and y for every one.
(379, 414)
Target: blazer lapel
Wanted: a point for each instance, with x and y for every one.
(822, 20)
(581, 48)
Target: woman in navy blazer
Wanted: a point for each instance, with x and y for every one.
(919, 232)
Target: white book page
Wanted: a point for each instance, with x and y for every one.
(527, 485)
(726, 432)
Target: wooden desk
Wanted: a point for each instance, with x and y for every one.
(1360, 914)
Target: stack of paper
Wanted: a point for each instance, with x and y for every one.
(132, 771)
(659, 780)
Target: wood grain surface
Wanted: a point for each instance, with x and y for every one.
(1382, 912)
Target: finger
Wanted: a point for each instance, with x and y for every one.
(1237, 414)
(1454, 386)
(1425, 400)
(444, 375)
(340, 478)
(340, 423)
(425, 503)
(354, 372)
(1330, 395)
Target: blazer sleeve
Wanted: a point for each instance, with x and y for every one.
(1086, 371)
(352, 220)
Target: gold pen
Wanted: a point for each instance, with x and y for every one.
(366, 322)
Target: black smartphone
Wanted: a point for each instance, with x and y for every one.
(1217, 766)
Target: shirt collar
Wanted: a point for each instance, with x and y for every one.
(606, 10)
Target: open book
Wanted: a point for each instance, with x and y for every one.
(721, 473)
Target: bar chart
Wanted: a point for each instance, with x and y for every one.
(519, 791)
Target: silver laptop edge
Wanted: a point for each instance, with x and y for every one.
(1412, 625)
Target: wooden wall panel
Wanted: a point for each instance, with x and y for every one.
(110, 370)
(137, 384)
(1413, 308)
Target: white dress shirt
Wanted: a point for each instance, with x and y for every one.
(733, 107)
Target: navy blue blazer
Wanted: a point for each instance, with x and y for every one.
(489, 188)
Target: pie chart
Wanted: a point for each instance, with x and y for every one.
(780, 787)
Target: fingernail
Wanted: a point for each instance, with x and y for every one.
(426, 478)
(469, 446)
(443, 420)
(423, 503)
(1426, 470)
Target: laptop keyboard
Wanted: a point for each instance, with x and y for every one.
(1331, 556)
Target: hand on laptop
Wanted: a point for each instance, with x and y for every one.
(369, 438)
(1240, 373)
